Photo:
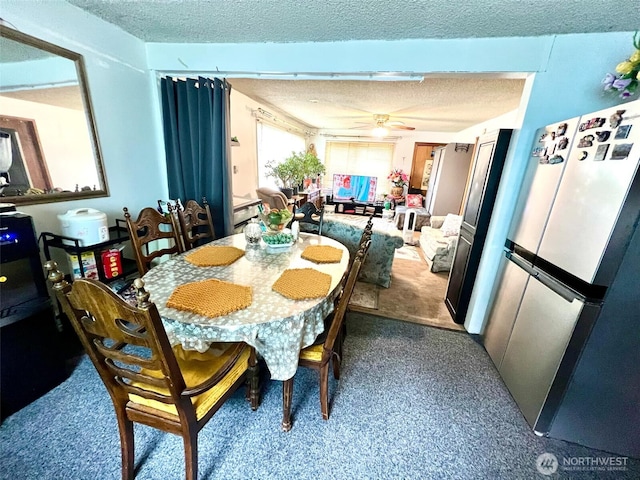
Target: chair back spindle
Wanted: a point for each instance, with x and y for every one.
(151, 226)
(196, 224)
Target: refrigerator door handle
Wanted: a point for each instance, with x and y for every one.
(553, 285)
(515, 258)
(566, 293)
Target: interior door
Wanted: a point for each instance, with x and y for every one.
(422, 153)
(433, 177)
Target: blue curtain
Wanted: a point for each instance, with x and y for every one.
(196, 137)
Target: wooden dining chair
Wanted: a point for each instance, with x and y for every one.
(328, 346)
(150, 226)
(196, 223)
(169, 389)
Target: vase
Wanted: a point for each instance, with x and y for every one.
(397, 191)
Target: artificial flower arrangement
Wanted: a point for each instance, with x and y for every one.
(628, 77)
(398, 177)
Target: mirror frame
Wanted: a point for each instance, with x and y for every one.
(78, 61)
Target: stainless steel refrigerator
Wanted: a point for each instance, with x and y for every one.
(564, 325)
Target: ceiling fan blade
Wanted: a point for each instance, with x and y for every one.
(401, 127)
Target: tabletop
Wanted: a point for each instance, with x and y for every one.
(276, 326)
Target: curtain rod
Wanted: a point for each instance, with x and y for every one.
(262, 114)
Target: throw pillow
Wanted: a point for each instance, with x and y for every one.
(414, 200)
(451, 225)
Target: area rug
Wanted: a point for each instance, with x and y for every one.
(365, 295)
(408, 252)
(416, 295)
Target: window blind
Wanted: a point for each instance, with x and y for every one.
(359, 158)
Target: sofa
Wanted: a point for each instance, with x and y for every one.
(347, 229)
(439, 239)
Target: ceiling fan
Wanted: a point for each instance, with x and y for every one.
(381, 121)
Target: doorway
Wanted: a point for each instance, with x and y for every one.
(421, 166)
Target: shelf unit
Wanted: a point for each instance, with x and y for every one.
(118, 234)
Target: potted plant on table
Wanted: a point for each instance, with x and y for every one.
(398, 179)
(312, 167)
(292, 171)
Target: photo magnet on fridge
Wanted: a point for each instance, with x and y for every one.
(616, 118)
(563, 143)
(622, 132)
(562, 129)
(603, 136)
(601, 152)
(621, 151)
(539, 151)
(586, 141)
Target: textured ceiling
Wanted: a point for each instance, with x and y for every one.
(436, 104)
(238, 21)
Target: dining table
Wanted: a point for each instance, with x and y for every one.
(276, 326)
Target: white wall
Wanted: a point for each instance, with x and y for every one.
(125, 104)
(245, 156)
(67, 151)
(508, 120)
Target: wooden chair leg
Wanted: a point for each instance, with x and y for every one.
(125, 427)
(190, 439)
(324, 391)
(253, 380)
(287, 394)
(336, 367)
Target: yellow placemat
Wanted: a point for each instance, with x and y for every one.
(211, 298)
(214, 256)
(322, 254)
(302, 283)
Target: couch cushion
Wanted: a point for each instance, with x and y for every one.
(451, 225)
(438, 249)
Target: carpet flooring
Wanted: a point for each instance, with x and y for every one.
(413, 402)
(415, 295)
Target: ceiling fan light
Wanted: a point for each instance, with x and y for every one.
(380, 132)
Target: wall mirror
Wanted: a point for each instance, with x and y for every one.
(49, 150)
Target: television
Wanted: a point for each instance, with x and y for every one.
(354, 188)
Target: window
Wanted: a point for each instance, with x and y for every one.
(275, 144)
(359, 158)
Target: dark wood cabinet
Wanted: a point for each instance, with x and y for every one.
(488, 161)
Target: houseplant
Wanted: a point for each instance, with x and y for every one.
(285, 172)
(311, 166)
(292, 171)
